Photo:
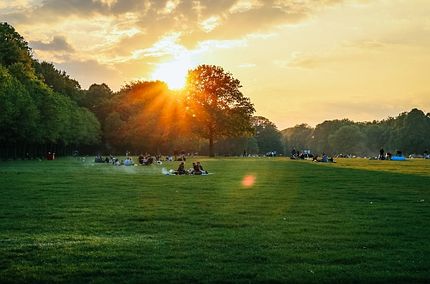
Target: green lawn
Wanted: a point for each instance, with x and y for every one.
(353, 221)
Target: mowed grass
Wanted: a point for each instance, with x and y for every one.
(353, 221)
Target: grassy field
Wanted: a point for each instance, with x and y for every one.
(354, 221)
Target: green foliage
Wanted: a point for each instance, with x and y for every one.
(215, 104)
(33, 112)
(298, 137)
(13, 47)
(59, 81)
(267, 135)
(320, 142)
(408, 132)
(348, 139)
(18, 115)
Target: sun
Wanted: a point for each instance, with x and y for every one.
(174, 73)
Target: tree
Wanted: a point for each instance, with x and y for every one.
(320, 140)
(215, 105)
(13, 47)
(97, 99)
(411, 132)
(146, 117)
(18, 115)
(59, 81)
(348, 140)
(298, 137)
(267, 135)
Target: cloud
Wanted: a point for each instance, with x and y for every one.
(195, 20)
(58, 43)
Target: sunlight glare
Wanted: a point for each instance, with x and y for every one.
(174, 73)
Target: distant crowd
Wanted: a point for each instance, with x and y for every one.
(143, 159)
(148, 159)
(306, 155)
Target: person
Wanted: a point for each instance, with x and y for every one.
(293, 153)
(196, 170)
(141, 159)
(199, 165)
(181, 169)
(149, 161)
(324, 158)
(381, 154)
(388, 156)
(128, 162)
(98, 159)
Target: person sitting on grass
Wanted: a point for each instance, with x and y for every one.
(149, 161)
(324, 159)
(181, 169)
(141, 159)
(196, 170)
(128, 162)
(199, 165)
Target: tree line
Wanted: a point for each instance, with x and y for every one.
(43, 109)
(38, 115)
(409, 133)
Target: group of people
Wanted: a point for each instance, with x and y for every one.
(306, 154)
(114, 161)
(197, 169)
(301, 155)
(324, 159)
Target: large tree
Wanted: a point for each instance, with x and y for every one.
(215, 105)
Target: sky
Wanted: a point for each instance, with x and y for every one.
(300, 61)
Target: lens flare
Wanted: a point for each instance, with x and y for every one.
(248, 180)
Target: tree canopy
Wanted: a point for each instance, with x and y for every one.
(38, 102)
(215, 105)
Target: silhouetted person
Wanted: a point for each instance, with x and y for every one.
(381, 154)
(199, 165)
(196, 169)
(181, 169)
(293, 153)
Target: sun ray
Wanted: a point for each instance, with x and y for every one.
(173, 73)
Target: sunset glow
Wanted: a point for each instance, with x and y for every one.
(173, 73)
(336, 56)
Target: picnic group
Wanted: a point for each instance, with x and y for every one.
(148, 159)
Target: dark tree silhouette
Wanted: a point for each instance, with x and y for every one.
(215, 106)
(267, 135)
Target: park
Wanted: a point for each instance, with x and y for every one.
(70, 220)
(214, 141)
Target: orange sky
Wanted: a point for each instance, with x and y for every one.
(300, 61)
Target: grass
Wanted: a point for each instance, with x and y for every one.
(353, 221)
